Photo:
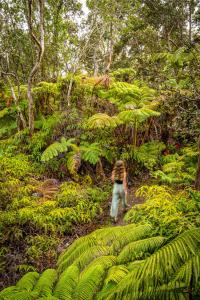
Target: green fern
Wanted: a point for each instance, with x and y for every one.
(56, 148)
(28, 281)
(90, 283)
(101, 120)
(91, 271)
(45, 284)
(140, 115)
(159, 268)
(66, 284)
(91, 152)
(136, 250)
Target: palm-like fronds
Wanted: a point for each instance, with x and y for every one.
(28, 281)
(91, 152)
(139, 115)
(101, 120)
(66, 284)
(135, 250)
(90, 283)
(45, 283)
(158, 269)
(56, 148)
(91, 268)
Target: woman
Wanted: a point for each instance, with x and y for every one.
(119, 188)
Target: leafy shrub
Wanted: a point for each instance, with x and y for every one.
(168, 211)
(179, 168)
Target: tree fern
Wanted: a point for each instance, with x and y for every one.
(140, 232)
(75, 250)
(105, 261)
(56, 148)
(101, 120)
(91, 268)
(139, 115)
(159, 267)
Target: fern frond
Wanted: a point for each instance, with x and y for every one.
(73, 161)
(66, 284)
(101, 120)
(75, 250)
(116, 273)
(91, 152)
(189, 271)
(140, 115)
(105, 261)
(19, 295)
(129, 236)
(90, 283)
(45, 283)
(56, 148)
(90, 254)
(136, 250)
(27, 282)
(7, 292)
(159, 267)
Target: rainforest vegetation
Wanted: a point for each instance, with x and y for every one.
(82, 85)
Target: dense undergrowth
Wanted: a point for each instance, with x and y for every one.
(126, 262)
(59, 178)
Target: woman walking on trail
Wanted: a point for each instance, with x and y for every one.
(119, 189)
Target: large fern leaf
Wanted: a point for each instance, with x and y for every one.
(56, 148)
(45, 284)
(136, 250)
(28, 281)
(66, 284)
(101, 120)
(90, 283)
(91, 152)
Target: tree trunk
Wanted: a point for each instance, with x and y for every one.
(21, 117)
(197, 180)
(40, 53)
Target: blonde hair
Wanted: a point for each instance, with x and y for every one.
(119, 170)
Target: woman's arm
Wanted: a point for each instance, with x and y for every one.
(113, 177)
(125, 183)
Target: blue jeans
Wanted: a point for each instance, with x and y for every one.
(118, 192)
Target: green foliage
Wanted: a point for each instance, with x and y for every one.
(169, 212)
(101, 121)
(179, 168)
(56, 148)
(151, 268)
(91, 152)
(149, 154)
(137, 115)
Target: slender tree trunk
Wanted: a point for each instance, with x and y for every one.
(95, 64)
(135, 134)
(20, 114)
(110, 54)
(40, 53)
(197, 180)
(190, 22)
(21, 117)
